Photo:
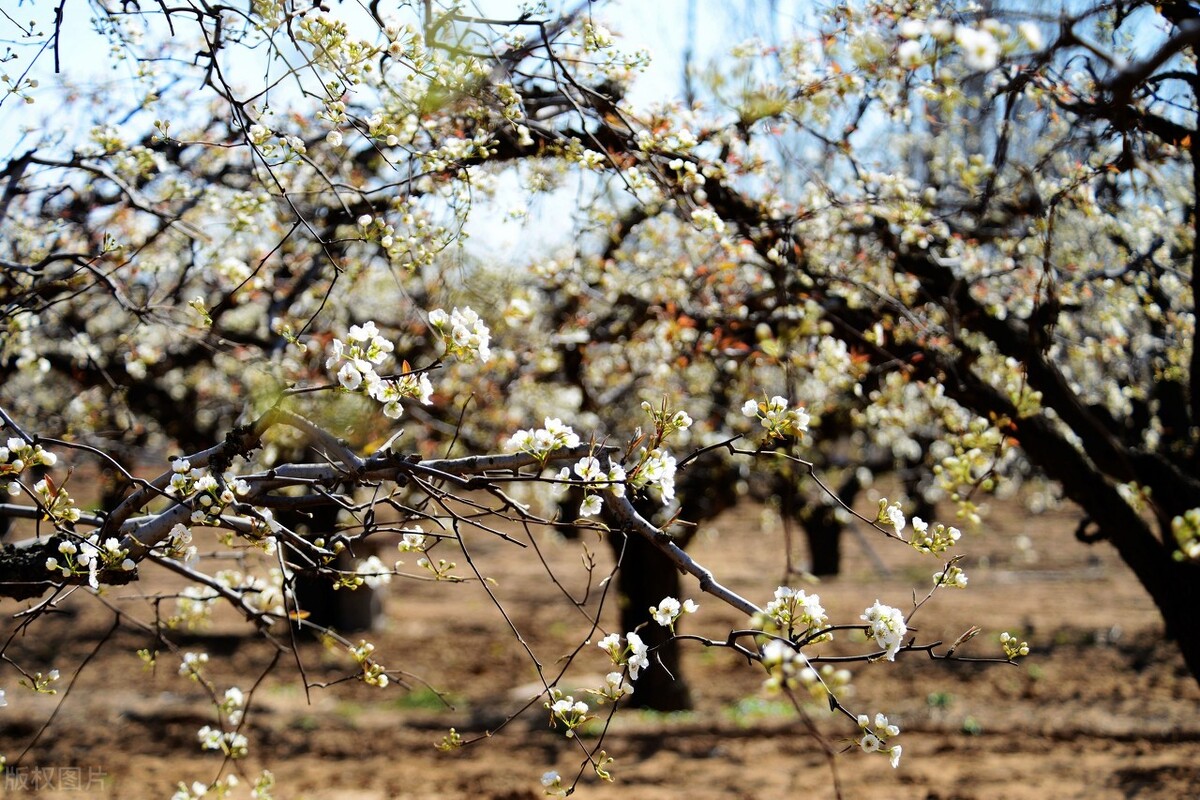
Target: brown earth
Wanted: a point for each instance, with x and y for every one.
(1102, 708)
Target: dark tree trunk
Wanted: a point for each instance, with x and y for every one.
(1173, 585)
(824, 533)
(824, 529)
(320, 605)
(645, 577)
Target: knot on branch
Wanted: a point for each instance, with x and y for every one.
(1089, 531)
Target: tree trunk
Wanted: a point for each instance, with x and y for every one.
(321, 606)
(1173, 585)
(824, 533)
(645, 577)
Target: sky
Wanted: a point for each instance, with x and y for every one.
(85, 60)
(661, 28)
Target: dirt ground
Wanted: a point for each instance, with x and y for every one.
(1102, 708)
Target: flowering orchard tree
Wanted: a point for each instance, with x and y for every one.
(247, 293)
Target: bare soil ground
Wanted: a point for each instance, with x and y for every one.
(1102, 708)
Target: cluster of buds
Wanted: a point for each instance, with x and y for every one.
(568, 712)
(666, 421)
(16, 456)
(210, 493)
(1012, 646)
(373, 673)
(935, 539)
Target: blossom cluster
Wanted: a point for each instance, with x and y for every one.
(17, 455)
(776, 417)
(874, 740)
(55, 503)
(655, 467)
(634, 654)
(221, 787)
(891, 514)
(936, 540)
(464, 334)
(615, 687)
(794, 611)
(589, 471)
(1186, 530)
(373, 673)
(886, 626)
(540, 442)
(568, 712)
(192, 664)
(265, 595)
(193, 607)
(89, 556)
(233, 705)
(981, 47)
(784, 664)
(413, 540)
(553, 785)
(952, 577)
(669, 610)
(355, 361)
(231, 743)
(210, 493)
(372, 572)
(178, 544)
(827, 681)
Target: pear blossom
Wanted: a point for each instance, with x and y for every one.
(886, 625)
(464, 334)
(552, 783)
(794, 610)
(540, 441)
(413, 540)
(591, 506)
(666, 611)
(1032, 34)
(634, 654)
(909, 54)
(776, 417)
(980, 49)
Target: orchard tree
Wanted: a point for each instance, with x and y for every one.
(964, 239)
(248, 294)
